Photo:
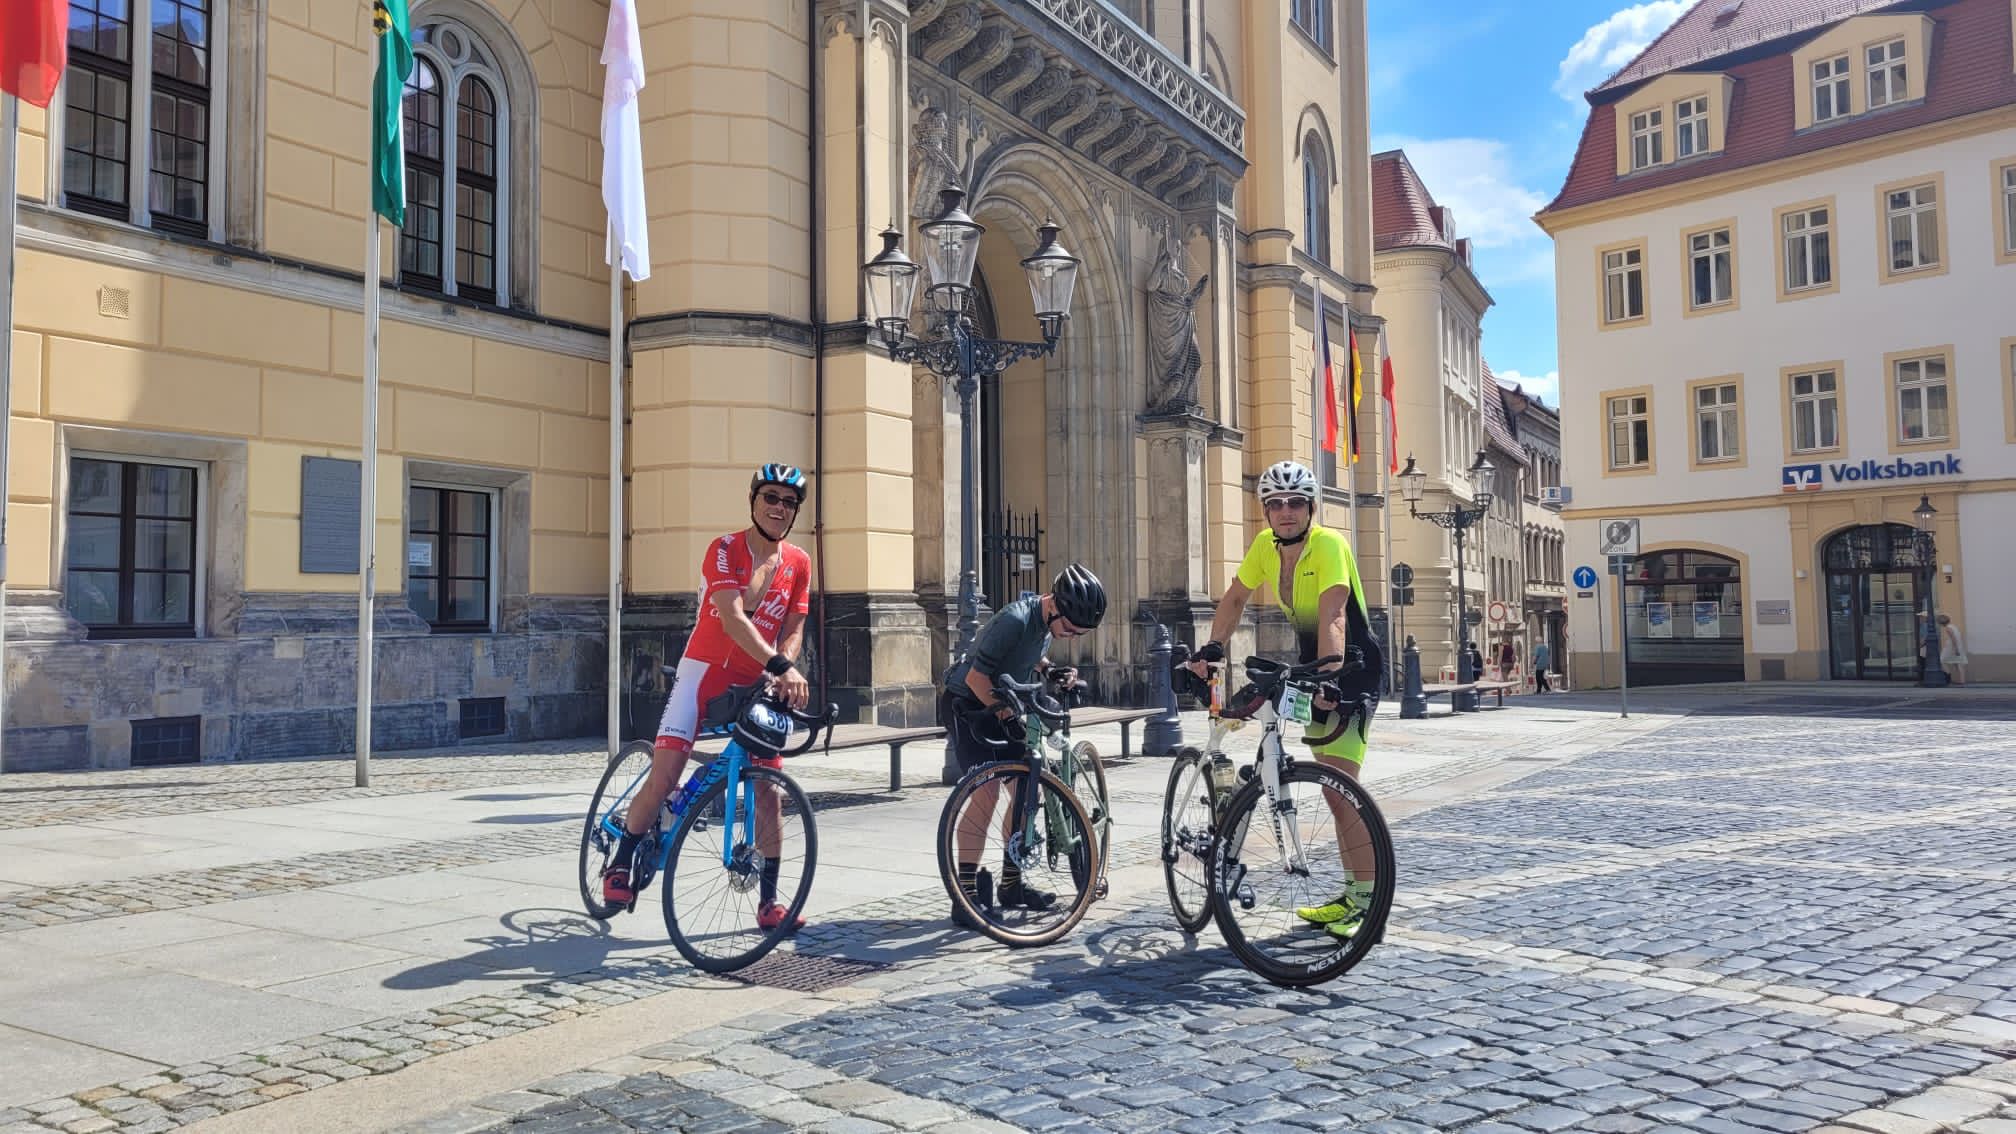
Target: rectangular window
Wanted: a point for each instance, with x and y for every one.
(1648, 139)
(1711, 267)
(1913, 216)
(2009, 208)
(1716, 428)
(1313, 17)
(1630, 432)
(1830, 88)
(154, 79)
(1809, 249)
(448, 557)
(1690, 121)
(178, 185)
(1886, 74)
(129, 559)
(98, 107)
(1922, 399)
(1816, 411)
(1623, 285)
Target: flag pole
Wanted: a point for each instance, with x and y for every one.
(10, 124)
(367, 507)
(1392, 443)
(1351, 385)
(616, 330)
(1316, 418)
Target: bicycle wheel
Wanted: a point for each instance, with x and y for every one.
(1260, 881)
(977, 828)
(604, 826)
(1186, 839)
(711, 902)
(1089, 785)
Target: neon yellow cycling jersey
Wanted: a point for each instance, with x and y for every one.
(1326, 561)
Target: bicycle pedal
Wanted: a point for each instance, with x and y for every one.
(1245, 896)
(1246, 773)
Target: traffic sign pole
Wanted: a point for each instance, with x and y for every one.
(1623, 646)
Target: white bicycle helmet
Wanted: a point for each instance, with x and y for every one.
(1287, 478)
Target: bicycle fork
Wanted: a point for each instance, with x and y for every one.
(1279, 804)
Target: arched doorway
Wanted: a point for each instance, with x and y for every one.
(1684, 615)
(1875, 579)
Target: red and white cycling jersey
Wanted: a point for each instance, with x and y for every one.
(728, 564)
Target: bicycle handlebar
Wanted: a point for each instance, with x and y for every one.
(814, 723)
(1038, 698)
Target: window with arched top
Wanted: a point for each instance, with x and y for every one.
(1315, 199)
(455, 241)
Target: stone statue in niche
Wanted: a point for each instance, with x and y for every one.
(932, 167)
(1174, 357)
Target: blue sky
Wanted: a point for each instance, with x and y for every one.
(1486, 98)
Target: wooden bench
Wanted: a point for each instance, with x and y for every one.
(1125, 718)
(849, 736)
(1500, 688)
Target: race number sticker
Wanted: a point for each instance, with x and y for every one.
(1295, 706)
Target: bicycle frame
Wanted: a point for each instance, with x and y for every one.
(729, 764)
(1269, 759)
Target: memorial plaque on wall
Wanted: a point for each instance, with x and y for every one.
(330, 490)
(1774, 612)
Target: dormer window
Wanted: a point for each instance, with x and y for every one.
(1690, 123)
(1648, 139)
(1830, 89)
(1886, 74)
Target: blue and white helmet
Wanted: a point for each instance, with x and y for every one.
(1287, 478)
(790, 476)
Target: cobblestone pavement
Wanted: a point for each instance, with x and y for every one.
(1742, 922)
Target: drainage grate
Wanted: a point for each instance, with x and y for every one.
(482, 716)
(167, 740)
(805, 972)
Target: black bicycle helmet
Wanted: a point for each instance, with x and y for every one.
(1080, 597)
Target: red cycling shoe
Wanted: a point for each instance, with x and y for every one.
(772, 916)
(616, 887)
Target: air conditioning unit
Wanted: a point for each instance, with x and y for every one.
(1556, 494)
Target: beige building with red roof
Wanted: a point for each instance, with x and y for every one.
(1785, 263)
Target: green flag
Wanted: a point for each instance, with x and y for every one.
(388, 147)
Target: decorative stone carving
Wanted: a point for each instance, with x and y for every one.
(1174, 356)
(923, 12)
(988, 50)
(1054, 83)
(1104, 121)
(1135, 52)
(932, 166)
(1021, 69)
(952, 31)
(1083, 101)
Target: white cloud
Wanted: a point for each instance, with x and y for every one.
(1608, 46)
(1473, 176)
(1546, 387)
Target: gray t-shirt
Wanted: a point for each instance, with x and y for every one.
(1011, 643)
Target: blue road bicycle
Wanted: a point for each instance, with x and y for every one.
(737, 836)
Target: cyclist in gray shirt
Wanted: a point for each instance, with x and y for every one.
(1015, 642)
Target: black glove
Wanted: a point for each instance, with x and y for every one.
(1210, 652)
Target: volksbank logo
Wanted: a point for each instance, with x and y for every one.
(1809, 478)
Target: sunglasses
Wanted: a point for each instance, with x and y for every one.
(776, 501)
(1291, 503)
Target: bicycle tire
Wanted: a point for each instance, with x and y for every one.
(763, 940)
(1242, 808)
(1074, 815)
(1100, 808)
(1189, 896)
(594, 855)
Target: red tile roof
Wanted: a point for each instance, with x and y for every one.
(1705, 33)
(1970, 73)
(1404, 213)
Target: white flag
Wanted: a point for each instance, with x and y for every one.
(622, 151)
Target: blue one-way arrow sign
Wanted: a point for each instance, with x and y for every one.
(1585, 577)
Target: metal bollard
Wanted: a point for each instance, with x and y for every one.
(1163, 733)
(1413, 703)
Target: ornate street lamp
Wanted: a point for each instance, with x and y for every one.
(1933, 675)
(951, 346)
(1457, 519)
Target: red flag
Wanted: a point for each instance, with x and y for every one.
(1329, 377)
(32, 51)
(1392, 416)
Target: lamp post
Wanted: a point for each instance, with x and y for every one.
(1457, 519)
(951, 348)
(1934, 674)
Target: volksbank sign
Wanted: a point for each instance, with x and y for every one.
(1809, 478)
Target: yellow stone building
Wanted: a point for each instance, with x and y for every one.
(188, 345)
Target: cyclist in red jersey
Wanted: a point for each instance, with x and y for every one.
(755, 592)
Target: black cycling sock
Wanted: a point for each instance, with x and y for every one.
(1011, 875)
(969, 879)
(626, 850)
(766, 885)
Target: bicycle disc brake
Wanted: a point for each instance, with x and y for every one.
(745, 869)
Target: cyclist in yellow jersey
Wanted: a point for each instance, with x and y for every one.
(1315, 579)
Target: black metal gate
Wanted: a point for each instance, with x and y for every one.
(1009, 554)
